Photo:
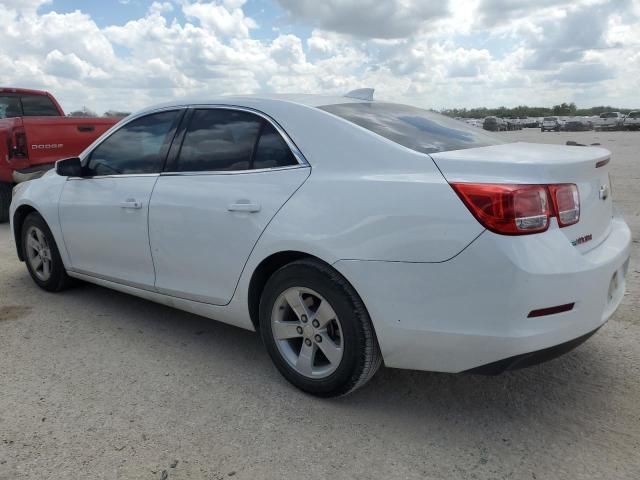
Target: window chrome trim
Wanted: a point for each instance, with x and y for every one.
(84, 155)
(123, 175)
(290, 143)
(231, 172)
(297, 154)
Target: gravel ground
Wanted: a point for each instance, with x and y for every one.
(97, 384)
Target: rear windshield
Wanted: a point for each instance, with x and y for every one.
(25, 105)
(38, 105)
(550, 119)
(609, 115)
(10, 106)
(414, 128)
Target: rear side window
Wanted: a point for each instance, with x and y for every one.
(138, 147)
(227, 140)
(38, 106)
(272, 151)
(10, 107)
(219, 139)
(414, 128)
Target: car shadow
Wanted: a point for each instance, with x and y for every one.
(397, 398)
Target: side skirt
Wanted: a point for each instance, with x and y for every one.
(218, 313)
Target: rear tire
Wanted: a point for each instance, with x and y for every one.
(330, 317)
(42, 256)
(5, 201)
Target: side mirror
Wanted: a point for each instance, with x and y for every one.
(69, 167)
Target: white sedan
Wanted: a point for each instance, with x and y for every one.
(346, 231)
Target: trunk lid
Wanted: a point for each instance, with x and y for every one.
(532, 163)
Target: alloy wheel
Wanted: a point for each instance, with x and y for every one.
(39, 253)
(307, 332)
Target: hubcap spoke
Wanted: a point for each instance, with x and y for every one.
(36, 262)
(324, 314)
(40, 235)
(294, 299)
(33, 243)
(46, 268)
(305, 360)
(332, 351)
(285, 330)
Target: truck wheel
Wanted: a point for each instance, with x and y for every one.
(5, 201)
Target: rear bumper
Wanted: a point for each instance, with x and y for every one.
(525, 360)
(473, 309)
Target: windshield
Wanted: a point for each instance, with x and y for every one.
(414, 128)
(549, 119)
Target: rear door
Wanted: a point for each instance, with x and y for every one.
(104, 215)
(232, 172)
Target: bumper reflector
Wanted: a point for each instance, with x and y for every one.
(551, 310)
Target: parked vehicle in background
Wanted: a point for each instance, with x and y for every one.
(475, 122)
(577, 125)
(550, 124)
(609, 121)
(34, 133)
(632, 121)
(494, 124)
(492, 254)
(513, 123)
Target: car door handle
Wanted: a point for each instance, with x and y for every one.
(244, 206)
(131, 203)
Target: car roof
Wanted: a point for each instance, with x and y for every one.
(258, 101)
(26, 91)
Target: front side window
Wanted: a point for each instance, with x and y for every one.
(230, 140)
(138, 147)
(38, 106)
(414, 128)
(10, 106)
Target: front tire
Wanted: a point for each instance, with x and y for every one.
(317, 330)
(5, 201)
(42, 256)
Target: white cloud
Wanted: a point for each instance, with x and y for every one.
(227, 19)
(367, 18)
(541, 52)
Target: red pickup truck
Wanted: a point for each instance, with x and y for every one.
(34, 133)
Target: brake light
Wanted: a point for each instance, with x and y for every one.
(566, 202)
(18, 147)
(520, 209)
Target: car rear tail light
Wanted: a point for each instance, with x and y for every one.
(520, 209)
(18, 144)
(566, 202)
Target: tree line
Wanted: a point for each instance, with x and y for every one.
(564, 109)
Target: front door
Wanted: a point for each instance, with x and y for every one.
(104, 214)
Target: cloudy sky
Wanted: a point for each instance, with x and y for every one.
(126, 54)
